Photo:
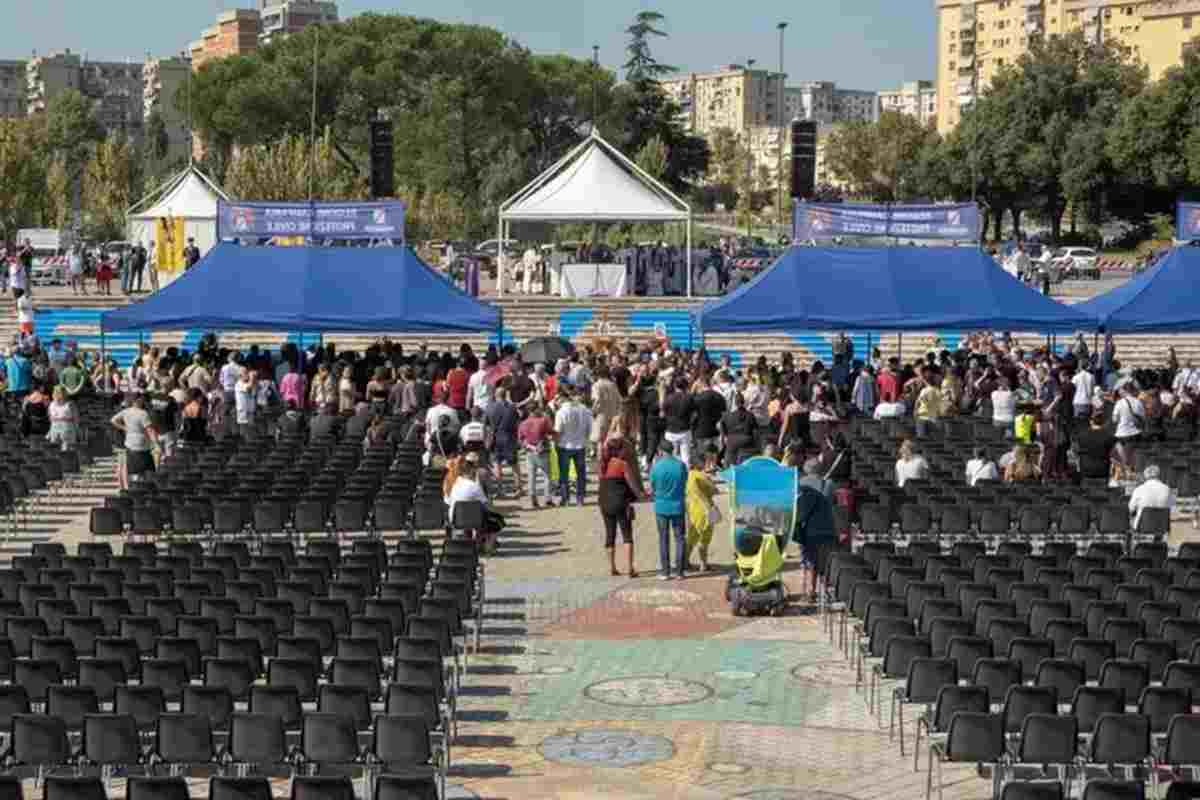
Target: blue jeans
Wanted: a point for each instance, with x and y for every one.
(665, 523)
(565, 457)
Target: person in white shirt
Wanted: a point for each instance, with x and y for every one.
(479, 391)
(434, 417)
(1004, 407)
(573, 426)
(891, 410)
(25, 314)
(530, 262)
(1153, 493)
(1084, 383)
(980, 467)
(246, 402)
(910, 466)
(474, 434)
(1128, 414)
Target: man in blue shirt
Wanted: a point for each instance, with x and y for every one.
(20, 374)
(669, 478)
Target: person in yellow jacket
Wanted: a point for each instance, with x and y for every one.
(701, 510)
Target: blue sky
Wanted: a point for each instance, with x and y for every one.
(865, 44)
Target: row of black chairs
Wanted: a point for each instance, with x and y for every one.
(387, 786)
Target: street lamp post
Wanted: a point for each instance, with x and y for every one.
(750, 62)
(782, 133)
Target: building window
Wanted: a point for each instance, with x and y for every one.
(1187, 22)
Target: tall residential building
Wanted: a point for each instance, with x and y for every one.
(977, 37)
(823, 102)
(914, 98)
(236, 33)
(162, 78)
(13, 101)
(733, 97)
(114, 87)
(281, 17)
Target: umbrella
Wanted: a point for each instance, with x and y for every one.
(545, 350)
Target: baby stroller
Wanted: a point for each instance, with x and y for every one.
(762, 501)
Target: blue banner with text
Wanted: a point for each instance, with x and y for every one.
(832, 220)
(313, 220)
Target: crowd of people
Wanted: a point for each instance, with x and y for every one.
(652, 269)
(648, 420)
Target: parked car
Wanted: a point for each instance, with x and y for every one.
(1079, 262)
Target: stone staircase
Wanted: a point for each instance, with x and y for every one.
(62, 515)
(62, 315)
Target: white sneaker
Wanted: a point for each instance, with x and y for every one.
(664, 577)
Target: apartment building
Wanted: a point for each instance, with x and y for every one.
(282, 17)
(977, 37)
(914, 98)
(162, 79)
(824, 102)
(114, 87)
(13, 102)
(734, 97)
(235, 33)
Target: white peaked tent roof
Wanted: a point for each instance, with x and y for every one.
(188, 195)
(595, 182)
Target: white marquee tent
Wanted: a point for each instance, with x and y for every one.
(595, 182)
(189, 196)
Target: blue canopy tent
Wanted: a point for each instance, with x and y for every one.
(887, 289)
(309, 289)
(1162, 299)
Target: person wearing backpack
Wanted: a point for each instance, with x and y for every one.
(1129, 417)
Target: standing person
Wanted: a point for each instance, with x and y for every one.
(815, 531)
(140, 435)
(619, 489)
(75, 270)
(573, 426)
(652, 425)
(104, 276)
(1129, 416)
(152, 266)
(18, 277)
(245, 403)
(25, 312)
(1084, 384)
(125, 267)
(139, 267)
(929, 408)
(739, 432)
(534, 435)
(64, 420)
(702, 514)
(73, 377)
(710, 407)
(191, 254)
(23, 266)
(679, 411)
(292, 387)
(503, 421)
(479, 391)
(229, 378)
(668, 481)
(606, 406)
(456, 384)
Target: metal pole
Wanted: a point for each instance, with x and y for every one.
(595, 77)
(779, 161)
(191, 126)
(900, 348)
(312, 157)
(689, 255)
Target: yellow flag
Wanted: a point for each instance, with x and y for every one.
(170, 243)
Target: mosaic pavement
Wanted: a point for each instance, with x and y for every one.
(595, 686)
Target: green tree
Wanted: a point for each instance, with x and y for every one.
(641, 64)
(1055, 103)
(23, 165)
(653, 157)
(109, 179)
(71, 132)
(850, 156)
(1155, 138)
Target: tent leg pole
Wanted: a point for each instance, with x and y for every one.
(689, 255)
(104, 360)
(500, 265)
